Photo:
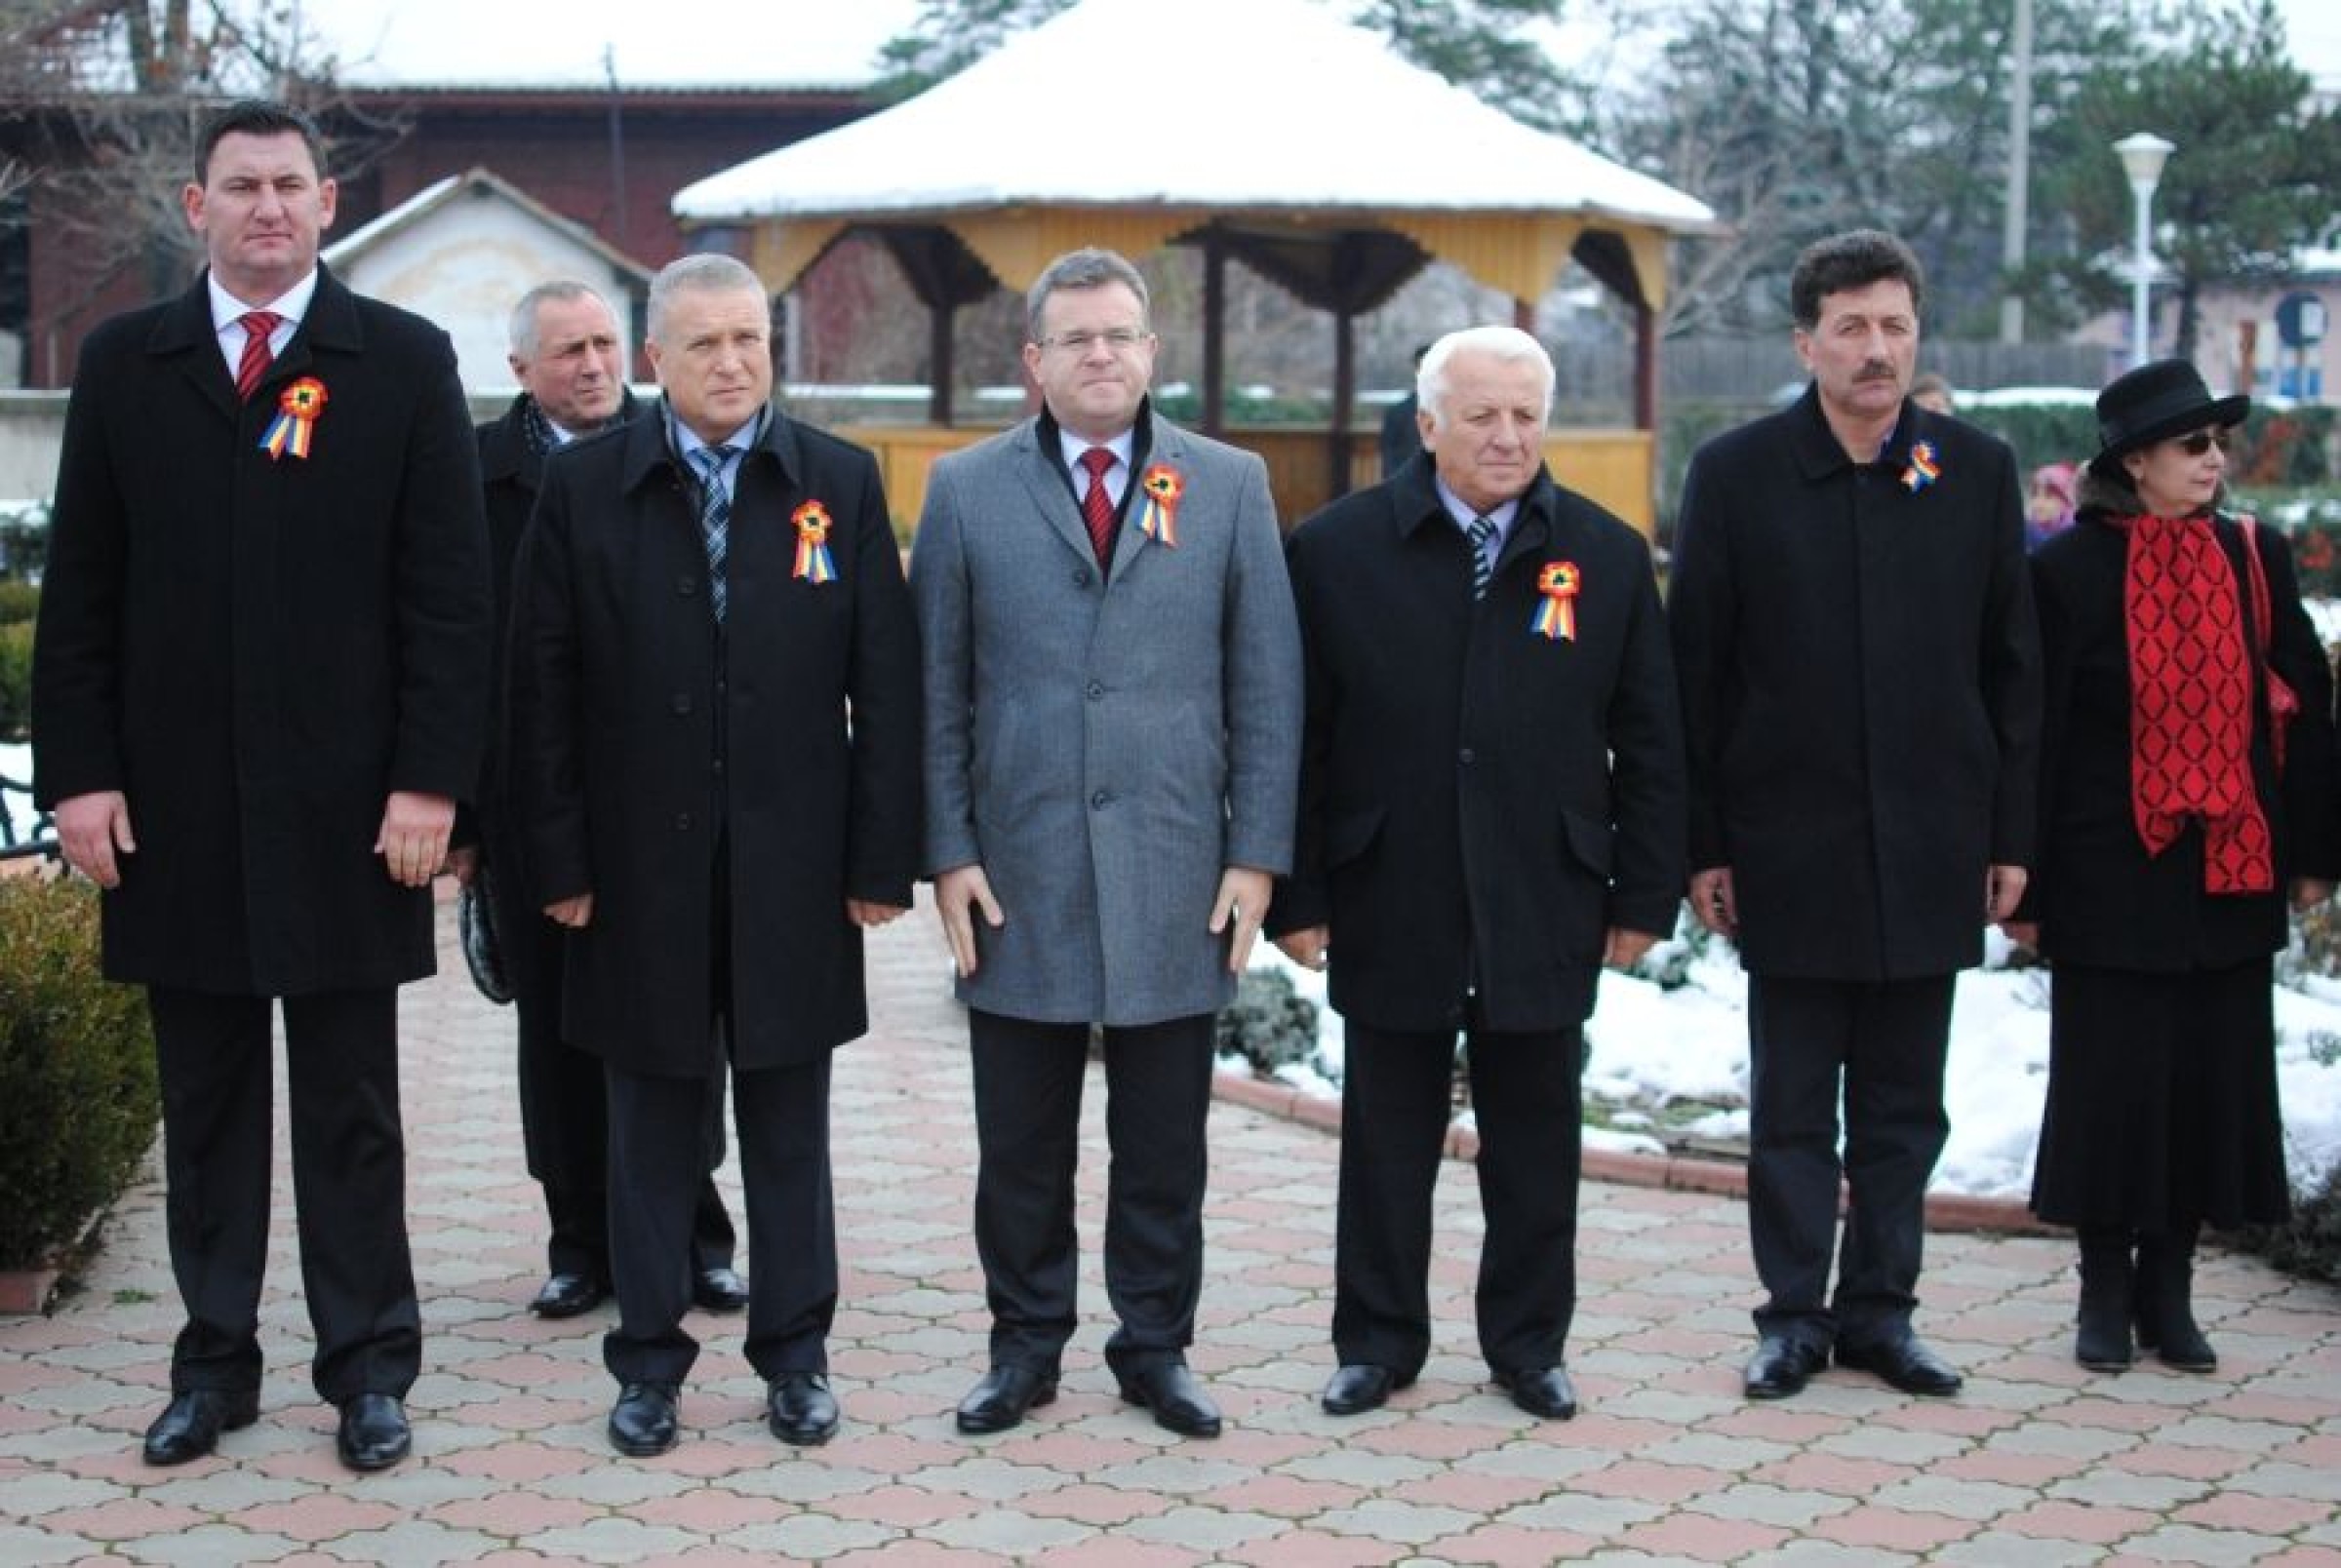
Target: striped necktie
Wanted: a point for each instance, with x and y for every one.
(1098, 505)
(715, 521)
(258, 356)
(1482, 555)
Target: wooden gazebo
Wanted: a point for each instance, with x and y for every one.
(1266, 129)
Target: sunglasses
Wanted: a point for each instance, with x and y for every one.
(2202, 441)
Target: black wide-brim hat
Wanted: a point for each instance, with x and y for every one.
(2153, 403)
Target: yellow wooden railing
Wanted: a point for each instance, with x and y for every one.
(1613, 467)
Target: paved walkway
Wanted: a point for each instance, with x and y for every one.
(2037, 1463)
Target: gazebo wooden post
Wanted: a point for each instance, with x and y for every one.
(942, 368)
(1523, 314)
(1214, 333)
(1646, 366)
(1346, 396)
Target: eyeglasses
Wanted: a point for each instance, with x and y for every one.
(1120, 340)
(2202, 441)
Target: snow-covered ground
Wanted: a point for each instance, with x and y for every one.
(1653, 1048)
(15, 766)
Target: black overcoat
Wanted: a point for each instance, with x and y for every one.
(628, 748)
(2100, 900)
(1861, 692)
(510, 472)
(1480, 803)
(259, 650)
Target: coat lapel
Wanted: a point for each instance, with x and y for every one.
(1043, 482)
(183, 332)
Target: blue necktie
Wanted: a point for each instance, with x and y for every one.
(715, 521)
(1483, 557)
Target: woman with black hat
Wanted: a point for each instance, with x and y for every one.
(2187, 794)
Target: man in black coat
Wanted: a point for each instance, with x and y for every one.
(260, 685)
(1491, 810)
(569, 358)
(715, 704)
(1853, 629)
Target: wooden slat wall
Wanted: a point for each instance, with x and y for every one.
(1611, 466)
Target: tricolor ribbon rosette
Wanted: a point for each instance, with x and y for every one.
(1556, 619)
(297, 409)
(1163, 488)
(1925, 467)
(814, 564)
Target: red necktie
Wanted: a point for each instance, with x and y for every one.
(257, 325)
(1096, 506)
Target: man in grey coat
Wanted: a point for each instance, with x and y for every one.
(1113, 721)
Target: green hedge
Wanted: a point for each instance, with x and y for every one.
(16, 681)
(78, 1101)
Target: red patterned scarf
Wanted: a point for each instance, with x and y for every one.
(2190, 702)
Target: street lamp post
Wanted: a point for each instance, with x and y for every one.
(2142, 158)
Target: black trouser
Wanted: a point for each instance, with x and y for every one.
(656, 1128)
(349, 1190)
(1028, 1084)
(1887, 1042)
(564, 1113)
(1395, 1106)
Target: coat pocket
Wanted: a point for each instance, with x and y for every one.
(1594, 844)
(1351, 835)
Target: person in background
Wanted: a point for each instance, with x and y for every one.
(1932, 392)
(264, 640)
(569, 358)
(1402, 437)
(2048, 504)
(715, 733)
(1113, 735)
(2187, 798)
(1853, 631)
(1491, 808)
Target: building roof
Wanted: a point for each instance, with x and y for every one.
(473, 182)
(1258, 104)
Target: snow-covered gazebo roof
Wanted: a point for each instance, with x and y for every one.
(1120, 123)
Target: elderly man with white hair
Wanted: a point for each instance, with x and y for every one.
(1491, 808)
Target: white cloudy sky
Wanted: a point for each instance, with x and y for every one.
(808, 41)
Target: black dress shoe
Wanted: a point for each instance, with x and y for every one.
(1357, 1388)
(719, 1290)
(1903, 1360)
(643, 1420)
(373, 1433)
(999, 1401)
(1545, 1391)
(800, 1408)
(190, 1425)
(1781, 1366)
(1175, 1397)
(566, 1295)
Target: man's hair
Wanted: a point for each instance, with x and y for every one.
(1087, 268)
(523, 332)
(256, 117)
(1508, 344)
(1851, 260)
(706, 272)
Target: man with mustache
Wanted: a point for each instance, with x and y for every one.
(1853, 634)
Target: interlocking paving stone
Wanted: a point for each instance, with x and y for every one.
(2037, 1461)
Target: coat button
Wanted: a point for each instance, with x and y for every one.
(682, 821)
(1101, 800)
(1096, 690)
(687, 585)
(1466, 757)
(681, 703)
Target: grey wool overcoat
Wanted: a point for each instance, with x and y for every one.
(1104, 748)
